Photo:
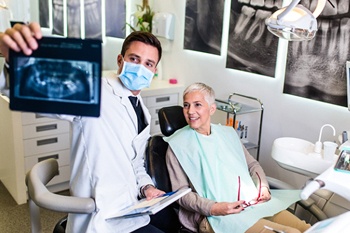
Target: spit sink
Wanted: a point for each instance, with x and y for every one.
(297, 155)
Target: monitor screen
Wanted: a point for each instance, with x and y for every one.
(62, 76)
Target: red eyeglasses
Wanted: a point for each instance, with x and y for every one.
(252, 202)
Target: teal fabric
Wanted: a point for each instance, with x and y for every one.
(214, 163)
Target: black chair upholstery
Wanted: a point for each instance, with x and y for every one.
(170, 120)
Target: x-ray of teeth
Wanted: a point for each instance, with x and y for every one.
(114, 12)
(62, 76)
(203, 25)
(59, 80)
(251, 47)
(316, 68)
(44, 13)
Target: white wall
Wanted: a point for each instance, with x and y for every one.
(284, 115)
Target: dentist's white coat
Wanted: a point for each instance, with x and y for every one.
(107, 161)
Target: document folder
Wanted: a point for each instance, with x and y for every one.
(149, 207)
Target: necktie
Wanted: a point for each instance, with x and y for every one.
(139, 113)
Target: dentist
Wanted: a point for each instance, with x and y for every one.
(107, 155)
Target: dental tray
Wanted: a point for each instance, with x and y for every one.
(234, 107)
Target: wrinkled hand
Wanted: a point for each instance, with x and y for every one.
(225, 208)
(264, 195)
(20, 38)
(153, 192)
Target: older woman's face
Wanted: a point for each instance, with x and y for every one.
(197, 112)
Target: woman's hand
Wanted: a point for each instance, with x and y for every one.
(264, 195)
(225, 208)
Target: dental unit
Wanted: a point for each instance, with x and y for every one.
(295, 22)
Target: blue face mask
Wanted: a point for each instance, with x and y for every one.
(135, 76)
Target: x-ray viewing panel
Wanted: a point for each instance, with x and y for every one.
(62, 76)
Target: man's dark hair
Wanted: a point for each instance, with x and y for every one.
(144, 37)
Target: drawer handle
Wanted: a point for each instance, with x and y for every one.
(162, 99)
(46, 127)
(46, 141)
(48, 157)
(157, 122)
(38, 116)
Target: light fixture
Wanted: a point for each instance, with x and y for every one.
(295, 22)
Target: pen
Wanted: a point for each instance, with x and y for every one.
(274, 230)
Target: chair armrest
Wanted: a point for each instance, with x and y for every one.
(310, 206)
(39, 176)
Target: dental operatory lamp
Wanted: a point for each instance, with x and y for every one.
(295, 22)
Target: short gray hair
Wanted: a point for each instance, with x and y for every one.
(208, 92)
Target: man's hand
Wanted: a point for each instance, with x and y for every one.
(20, 38)
(153, 192)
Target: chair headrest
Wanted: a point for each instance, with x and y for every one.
(171, 119)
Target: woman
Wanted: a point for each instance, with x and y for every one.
(224, 177)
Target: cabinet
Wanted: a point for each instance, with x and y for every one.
(160, 94)
(27, 138)
(245, 115)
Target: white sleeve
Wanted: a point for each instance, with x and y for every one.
(3, 82)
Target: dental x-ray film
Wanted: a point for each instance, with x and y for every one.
(62, 76)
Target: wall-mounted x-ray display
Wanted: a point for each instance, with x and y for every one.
(93, 19)
(62, 76)
(203, 25)
(316, 68)
(251, 47)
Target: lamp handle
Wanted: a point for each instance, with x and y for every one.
(319, 8)
(288, 9)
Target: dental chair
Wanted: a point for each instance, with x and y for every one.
(171, 119)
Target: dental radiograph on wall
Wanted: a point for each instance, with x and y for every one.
(315, 69)
(114, 18)
(203, 26)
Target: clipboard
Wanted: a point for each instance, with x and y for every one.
(149, 207)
